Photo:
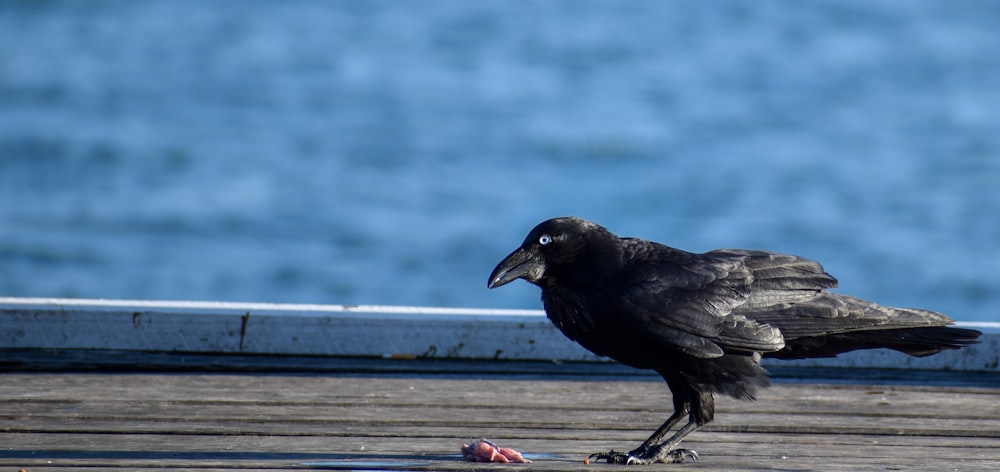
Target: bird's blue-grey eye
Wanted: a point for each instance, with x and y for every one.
(545, 239)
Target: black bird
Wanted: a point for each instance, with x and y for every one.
(703, 321)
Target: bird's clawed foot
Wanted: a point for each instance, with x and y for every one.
(649, 455)
(611, 457)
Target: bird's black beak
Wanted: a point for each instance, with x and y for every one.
(520, 264)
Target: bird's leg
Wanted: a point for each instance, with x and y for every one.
(667, 452)
(702, 412)
(662, 430)
(616, 457)
(681, 408)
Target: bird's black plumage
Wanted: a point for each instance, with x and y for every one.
(703, 321)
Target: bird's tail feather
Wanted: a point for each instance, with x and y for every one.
(918, 342)
(921, 342)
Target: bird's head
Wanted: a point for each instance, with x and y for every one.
(557, 247)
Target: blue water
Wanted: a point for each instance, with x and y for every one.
(369, 152)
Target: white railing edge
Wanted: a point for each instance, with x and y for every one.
(357, 330)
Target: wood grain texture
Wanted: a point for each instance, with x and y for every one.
(413, 421)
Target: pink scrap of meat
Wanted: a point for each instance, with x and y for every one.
(486, 451)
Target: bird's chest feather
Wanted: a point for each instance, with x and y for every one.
(583, 315)
(570, 312)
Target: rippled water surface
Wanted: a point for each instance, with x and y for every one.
(392, 152)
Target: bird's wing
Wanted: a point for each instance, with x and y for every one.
(687, 301)
(831, 313)
(789, 292)
(779, 278)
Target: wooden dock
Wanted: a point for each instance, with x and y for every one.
(210, 386)
(71, 411)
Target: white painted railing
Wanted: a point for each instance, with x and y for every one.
(338, 330)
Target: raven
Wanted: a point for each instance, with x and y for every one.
(703, 321)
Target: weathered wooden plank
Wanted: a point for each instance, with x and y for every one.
(276, 422)
(430, 387)
(510, 408)
(260, 392)
(344, 397)
(758, 452)
(643, 425)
